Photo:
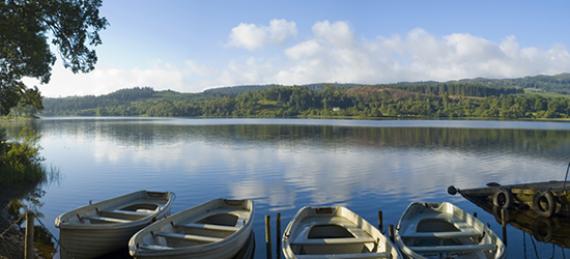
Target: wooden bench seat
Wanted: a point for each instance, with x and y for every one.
(106, 219)
(123, 214)
(196, 238)
(208, 227)
(333, 241)
(156, 247)
(452, 234)
(453, 248)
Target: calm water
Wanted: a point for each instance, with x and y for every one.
(287, 164)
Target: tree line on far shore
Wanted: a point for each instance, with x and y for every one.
(451, 100)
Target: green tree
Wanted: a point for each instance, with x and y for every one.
(27, 28)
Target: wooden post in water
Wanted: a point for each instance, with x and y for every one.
(29, 238)
(380, 221)
(278, 236)
(268, 236)
(391, 232)
(504, 225)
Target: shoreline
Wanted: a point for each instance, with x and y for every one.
(308, 117)
(18, 118)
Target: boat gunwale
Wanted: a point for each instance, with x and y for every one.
(161, 212)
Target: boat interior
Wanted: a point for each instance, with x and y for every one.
(206, 227)
(441, 231)
(145, 205)
(328, 233)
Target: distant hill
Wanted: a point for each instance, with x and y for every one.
(557, 83)
(528, 97)
(236, 90)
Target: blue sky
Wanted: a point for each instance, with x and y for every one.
(194, 45)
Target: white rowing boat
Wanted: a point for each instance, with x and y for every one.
(216, 229)
(334, 232)
(106, 226)
(442, 230)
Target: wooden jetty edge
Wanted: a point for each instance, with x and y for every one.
(545, 199)
(555, 229)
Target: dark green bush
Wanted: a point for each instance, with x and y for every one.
(19, 158)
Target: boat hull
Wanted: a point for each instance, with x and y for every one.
(334, 232)
(436, 230)
(83, 236)
(226, 248)
(79, 243)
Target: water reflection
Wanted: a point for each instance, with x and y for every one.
(365, 166)
(24, 192)
(329, 162)
(544, 143)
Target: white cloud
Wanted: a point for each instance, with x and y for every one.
(336, 33)
(251, 36)
(332, 52)
(304, 49)
(159, 75)
(281, 29)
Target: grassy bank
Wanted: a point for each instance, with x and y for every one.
(19, 158)
(17, 118)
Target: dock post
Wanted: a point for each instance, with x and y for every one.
(391, 230)
(504, 225)
(268, 236)
(29, 238)
(278, 236)
(381, 221)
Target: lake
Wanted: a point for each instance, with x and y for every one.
(285, 164)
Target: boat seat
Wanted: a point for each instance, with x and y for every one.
(357, 232)
(156, 247)
(452, 234)
(453, 248)
(209, 227)
(136, 212)
(189, 237)
(346, 256)
(119, 213)
(333, 241)
(106, 219)
(462, 225)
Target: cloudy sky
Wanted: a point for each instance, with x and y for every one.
(195, 45)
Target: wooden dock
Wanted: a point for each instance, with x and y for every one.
(545, 199)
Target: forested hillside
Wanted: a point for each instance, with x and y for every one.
(465, 98)
(558, 83)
